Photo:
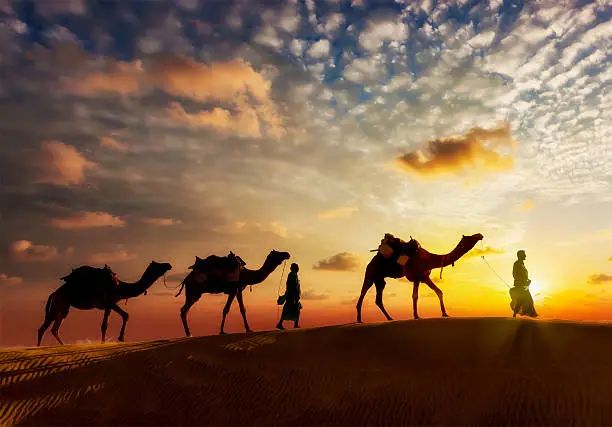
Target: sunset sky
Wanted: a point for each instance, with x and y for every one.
(159, 130)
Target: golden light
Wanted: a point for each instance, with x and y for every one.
(538, 289)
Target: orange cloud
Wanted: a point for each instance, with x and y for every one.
(313, 296)
(474, 150)
(343, 212)
(121, 78)
(343, 261)
(488, 250)
(5, 280)
(234, 84)
(600, 279)
(108, 257)
(161, 221)
(527, 206)
(113, 144)
(88, 220)
(62, 164)
(26, 251)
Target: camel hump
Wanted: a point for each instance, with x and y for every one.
(216, 267)
(87, 273)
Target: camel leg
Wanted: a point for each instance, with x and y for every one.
(125, 316)
(41, 331)
(105, 323)
(367, 284)
(380, 287)
(55, 328)
(427, 280)
(226, 309)
(415, 298)
(190, 299)
(243, 310)
(56, 311)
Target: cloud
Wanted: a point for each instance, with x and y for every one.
(88, 220)
(62, 164)
(113, 144)
(239, 227)
(108, 257)
(600, 279)
(343, 261)
(377, 31)
(313, 296)
(26, 251)
(161, 221)
(488, 250)
(242, 92)
(5, 280)
(319, 49)
(526, 206)
(343, 212)
(472, 151)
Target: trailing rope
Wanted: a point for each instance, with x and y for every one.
(489, 265)
(166, 286)
(279, 286)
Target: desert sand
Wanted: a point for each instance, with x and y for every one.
(492, 371)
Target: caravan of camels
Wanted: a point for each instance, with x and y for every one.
(87, 287)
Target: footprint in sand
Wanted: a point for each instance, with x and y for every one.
(250, 343)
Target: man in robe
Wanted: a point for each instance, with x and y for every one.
(291, 299)
(522, 301)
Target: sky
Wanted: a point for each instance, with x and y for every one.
(161, 130)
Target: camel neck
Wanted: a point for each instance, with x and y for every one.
(131, 290)
(253, 277)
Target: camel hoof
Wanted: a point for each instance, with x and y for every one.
(248, 330)
(416, 317)
(445, 315)
(222, 333)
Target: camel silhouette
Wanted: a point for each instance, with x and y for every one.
(86, 288)
(417, 270)
(194, 288)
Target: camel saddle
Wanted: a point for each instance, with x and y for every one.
(88, 274)
(220, 269)
(398, 250)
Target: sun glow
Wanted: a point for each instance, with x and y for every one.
(538, 289)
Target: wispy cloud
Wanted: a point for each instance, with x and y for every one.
(6, 280)
(108, 257)
(26, 251)
(343, 212)
(344, 261)
(164, 222)
(88, 220)
(112, 143)
(488, 250)
(313, 296)
(600, 279)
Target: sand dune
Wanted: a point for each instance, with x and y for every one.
(427, 372)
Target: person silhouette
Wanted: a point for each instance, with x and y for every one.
(291, 299)
(522, 301)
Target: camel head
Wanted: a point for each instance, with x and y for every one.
(276, 258)
(158, 269)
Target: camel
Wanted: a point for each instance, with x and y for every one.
(86, 288)
(417, 270)
(194, 288)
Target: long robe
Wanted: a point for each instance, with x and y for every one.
(292, 306)
(520, 292)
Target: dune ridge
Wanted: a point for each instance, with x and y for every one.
(465, 371)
